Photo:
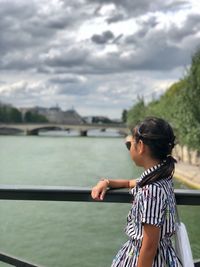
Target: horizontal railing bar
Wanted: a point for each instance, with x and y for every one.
(19, 263)
(197, 263)
(61, 193)
(15, 261)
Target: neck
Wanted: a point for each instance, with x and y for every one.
(150, 163)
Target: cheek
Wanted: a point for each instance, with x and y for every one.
(133, 152)
(132, 157)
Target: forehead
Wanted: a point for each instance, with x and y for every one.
(129, 138)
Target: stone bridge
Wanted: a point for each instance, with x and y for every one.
(34, 128)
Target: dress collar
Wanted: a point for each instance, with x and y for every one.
(148, 171)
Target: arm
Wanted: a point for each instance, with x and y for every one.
(151, 236)
(98, 191)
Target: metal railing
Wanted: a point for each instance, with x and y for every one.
(52, 193)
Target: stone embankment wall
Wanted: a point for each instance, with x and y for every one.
(187, 155)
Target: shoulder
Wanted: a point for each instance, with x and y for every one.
(154, 191)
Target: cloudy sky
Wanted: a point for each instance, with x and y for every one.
(97, 56)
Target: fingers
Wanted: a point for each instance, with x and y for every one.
(98, 193)
(102, 195)
(94, 193)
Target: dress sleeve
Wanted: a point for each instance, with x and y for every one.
(153, 205)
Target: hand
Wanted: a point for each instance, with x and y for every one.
(98, 192)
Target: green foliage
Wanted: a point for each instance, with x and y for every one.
(136, 113)
(180, 105)
(34, 117)
(189, 101)
(9, 114)
(124, 115)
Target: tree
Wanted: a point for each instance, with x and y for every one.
(34, 117)
(136, 113)
(124, 115)
(179, 105)
(190, 99)
(10, 114)
(15, 115)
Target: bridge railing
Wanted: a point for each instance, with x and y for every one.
(83, 128)
(52, 193)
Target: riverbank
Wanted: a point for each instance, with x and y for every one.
(188, 174)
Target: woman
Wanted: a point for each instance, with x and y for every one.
(151, 220)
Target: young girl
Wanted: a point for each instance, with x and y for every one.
(151, 220)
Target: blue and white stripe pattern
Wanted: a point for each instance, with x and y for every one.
(153, 204)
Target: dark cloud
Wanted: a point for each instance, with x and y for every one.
(117, 39)
(163, 57)
(73, 89)
(83, 62)
(153, 48)
(28, 28)
(136, 6)
(33, 33)
(57, 42)
(102, 38)
(141, 7)
(62, 57)
(15, 61)
(190, 28)
(148, 49)
(66, 79)
(149, 23)
(115, 18)
(174, 5)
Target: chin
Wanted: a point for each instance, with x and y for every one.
(137, 163)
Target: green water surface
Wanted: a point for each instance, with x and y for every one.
(61, 234)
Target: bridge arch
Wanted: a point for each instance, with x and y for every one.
(36, 131)
(10, 130)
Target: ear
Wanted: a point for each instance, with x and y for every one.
(141, 147)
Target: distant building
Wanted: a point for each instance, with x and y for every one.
(71, 116)
(98, 119)
(56, 115)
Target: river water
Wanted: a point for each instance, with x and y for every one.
(62, 234)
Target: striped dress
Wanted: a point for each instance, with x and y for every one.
(153, 204)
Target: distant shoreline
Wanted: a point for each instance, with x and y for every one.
(188, 174)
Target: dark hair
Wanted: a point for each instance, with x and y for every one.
(158, 135)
